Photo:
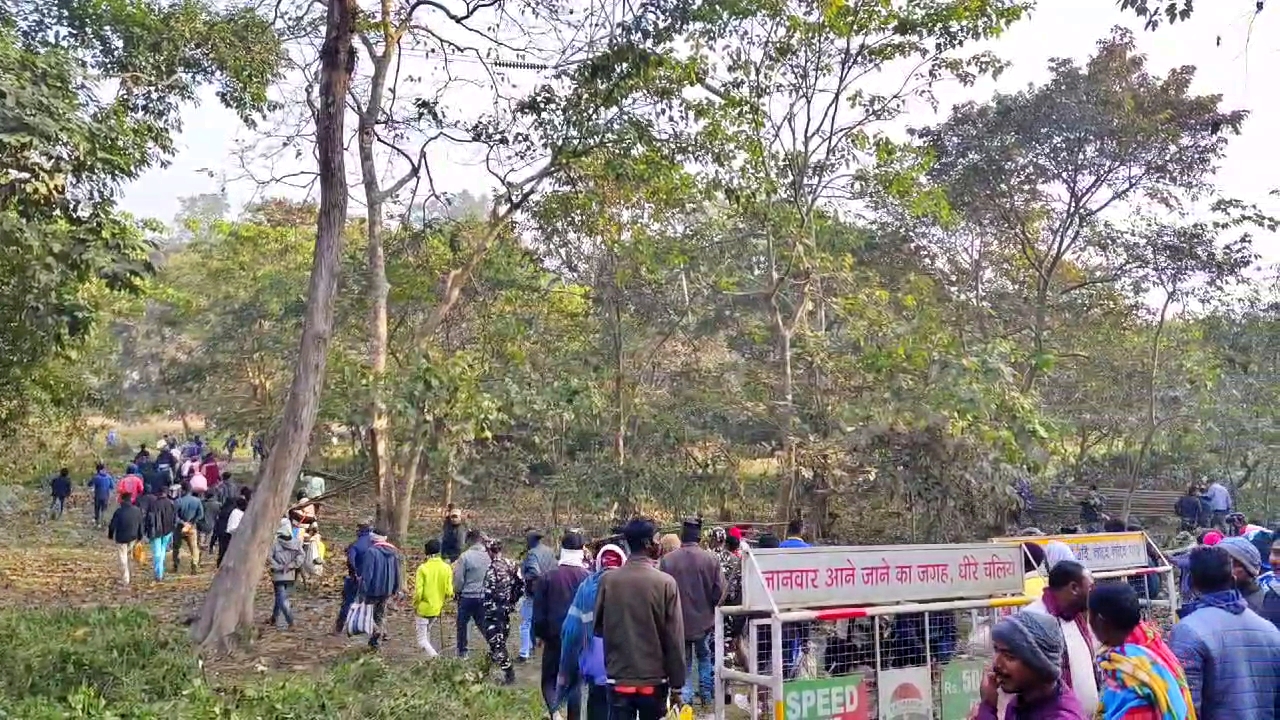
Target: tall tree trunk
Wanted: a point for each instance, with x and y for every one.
(228, 605)
(1135, 469)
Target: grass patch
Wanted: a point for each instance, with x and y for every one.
(121, 663)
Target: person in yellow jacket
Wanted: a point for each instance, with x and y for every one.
(432, 586)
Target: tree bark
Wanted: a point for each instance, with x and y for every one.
(228, 605)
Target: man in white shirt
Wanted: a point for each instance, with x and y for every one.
(1067, 599)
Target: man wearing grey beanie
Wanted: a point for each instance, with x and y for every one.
(1246, 566)
(1028, 666)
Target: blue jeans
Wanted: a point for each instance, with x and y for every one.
(281, 607)
(699, 650)
(526, 627)
(159, 553)
(470, 609)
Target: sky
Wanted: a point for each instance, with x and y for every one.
(1234, 52)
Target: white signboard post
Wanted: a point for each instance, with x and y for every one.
(1098, 551)
(851, 576)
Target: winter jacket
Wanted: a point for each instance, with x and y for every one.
(469, 571)
(60, 486)
(189, 509)
(131, 484)
(1188, 508)
(161, 518)
(638, 615)
(125, 525)
(701, 582)
(1231, 657)
(379, 571)
(356, 551)
(103, 485)
(1062, 705)
(432, 586)
(552, 599)
(285, 559)
(539, 561)
(451, 540)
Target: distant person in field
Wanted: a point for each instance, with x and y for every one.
(551, 602)
(432, 587)
(60, 490)
(259, 447)
(142, 456)
(159, 523)
(1220, 504)
(189, 510)
(1091, 508)
(468, 584)
(638, 616)
(284, 561)
(702, 586)
(207, 525)
(1231, 656)
(233, 523)
(452, 535)
(1028, 666)
(125, 528)
(103, 485)
(230, 446)
(503, 588)
(381, 578)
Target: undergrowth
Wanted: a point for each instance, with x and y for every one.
(121, 664)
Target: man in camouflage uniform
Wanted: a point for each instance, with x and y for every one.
(503, 587)
(731, 566)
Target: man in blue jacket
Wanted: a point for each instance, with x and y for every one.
(103, 486)
(381, 578)
(1231, 655)
(351, 583)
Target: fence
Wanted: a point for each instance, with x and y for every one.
(802, 657)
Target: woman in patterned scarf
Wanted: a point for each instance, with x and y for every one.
(1141, 678)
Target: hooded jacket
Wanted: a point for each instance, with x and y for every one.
(356, 551)
(286, 554)
(380, 575)
(103, 485)
(1231, 657)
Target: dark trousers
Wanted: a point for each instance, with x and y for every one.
(634, 706)
(99, 509)
(597, 702)
(57, 506)
(223, 541)
(550, 672)
(379, 613)
(469, 610)
(281, 609)
(350, 588)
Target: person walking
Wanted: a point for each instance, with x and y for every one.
(432, 586)
(103, 485)
(1187, 508)
(207, 527)
(551, 603)
(581, 651)
(538, 561)
(159, 523)
(60, 490)
(1246, 566)
(503, 586)
(702, 587)
(1141, 677)
(284, 561)
(131, 484)
(351, 583)
(190, 513)
(639, 619)
(1028, 667)
(468, 583)
(1066, 599)
(125, 528)
(452, 535)
(381, 578)
(1219, 504)
(1230, 655)
(233, 523)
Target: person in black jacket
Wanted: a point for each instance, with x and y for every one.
(552, 599)
(451, 536)
(125, 529)
(60, 488)
(158, 523)
(1188, 509)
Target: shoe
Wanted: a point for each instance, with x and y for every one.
(509, 677)
(521, 659)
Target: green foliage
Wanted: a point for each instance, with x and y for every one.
(122, 663)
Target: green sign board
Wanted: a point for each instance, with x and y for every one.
(838, 698)
(961, 681)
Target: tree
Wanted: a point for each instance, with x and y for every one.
(228, 605)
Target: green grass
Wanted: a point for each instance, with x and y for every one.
(120, 663)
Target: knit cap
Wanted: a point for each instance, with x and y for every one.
(1243, 552)
(1033, 638)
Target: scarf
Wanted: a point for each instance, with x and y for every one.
(572, 558)
(1081, 620)
(1230, 600)
(1143, 674)
(579, 626)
